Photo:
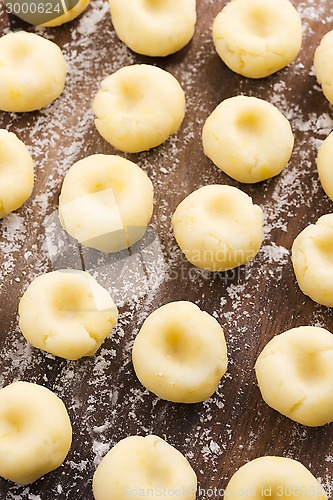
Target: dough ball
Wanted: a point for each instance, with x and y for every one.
(259, 37)
(180, 353)
(35, 432)
(274, 477)
(143, 467)
(16, 173)
(139, 107)
(312, 260)
(106, 202)
(325, 165)
(72, 13)
(323, 65)
(295, 375)
(154, 27)
(67, 313)
(218, 227)
(32, 72)
(248, 139)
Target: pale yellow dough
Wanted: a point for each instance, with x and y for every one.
(71, 14)
(35, 432)
(323, 65)
(139, 107)
(274, 477)
(325, 164)
(218, 227)
(67, 313)
(144, 467)
(154, 27)
(312, 260)
(248, 139)
(180, 353)
(256, 38)
(32, 72)
(16, 173)
(295, 375)
(106, 202)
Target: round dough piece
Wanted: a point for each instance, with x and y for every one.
(218, 227)
(154, 27)
(248, 139)
(32, 72)
(143, 467)
(325, 164)
(70, 15)
(274, 477)
(35, 432)
(67, 313)
(106, 202)
(180, 353)
(259, 37)
(295, 375)
(323, 65)
(16, 173)
(139, 107)
(312, 260)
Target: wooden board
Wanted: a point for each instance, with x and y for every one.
(105, 400)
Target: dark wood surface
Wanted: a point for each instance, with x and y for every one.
(105, 400)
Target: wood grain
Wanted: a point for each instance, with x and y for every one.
(252, 304)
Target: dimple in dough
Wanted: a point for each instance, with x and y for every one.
(32, 72)
(180, 353)
(295, 375)
(106, 202)
(16, 173)
(274, 477)
(325, 164)
(67, 313)
(70, 15)
(137, 466)
(312, 260)
(139, 107)
(259, 37)
(218, 227)
(323, 65)
(154, 27)
(35, 432)
(248, 139)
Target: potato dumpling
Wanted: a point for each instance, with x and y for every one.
(295, 374)
(35, 432)
(106, 202)
(180, 353)
(154, 27)
(325, 165)
(16, 173)
(256, 38)
(143, 467)
(218, 227)
(323, 65)
(67, 313)
(139, 107)
(72, 13)
(248, 138)
(312, 260)
(32, 72)
(274, 477)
